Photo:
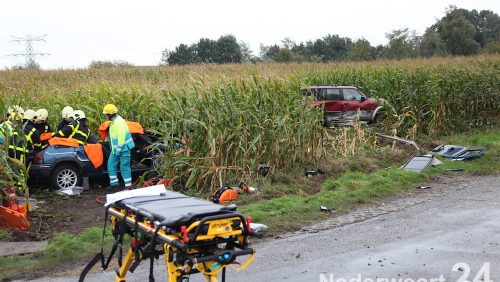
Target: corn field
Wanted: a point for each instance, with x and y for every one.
(231, 118)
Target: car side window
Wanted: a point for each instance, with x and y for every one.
(332, 94)
(321, 94)
(352, 95)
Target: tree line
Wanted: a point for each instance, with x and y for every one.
(459, 32)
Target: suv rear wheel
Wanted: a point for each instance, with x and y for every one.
(65, 176)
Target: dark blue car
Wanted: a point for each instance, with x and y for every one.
(65, 167)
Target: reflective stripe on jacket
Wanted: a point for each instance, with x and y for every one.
(80, 132)
(119, 137)
(77, 130)
(32, 136)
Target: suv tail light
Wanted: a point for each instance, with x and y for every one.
(38, 159)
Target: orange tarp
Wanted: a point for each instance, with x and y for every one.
(69, 142)
(45, 136)
(94, 152)
(133, 127)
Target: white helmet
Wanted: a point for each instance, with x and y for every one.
(29, 115)
(66, 112)
(42, 115)
(16, 112)
(78, 114)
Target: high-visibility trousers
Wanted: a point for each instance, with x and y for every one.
(124, 159)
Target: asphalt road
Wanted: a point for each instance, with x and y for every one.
(425, 234)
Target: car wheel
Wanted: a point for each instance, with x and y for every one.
(376, 118)
(66, 176)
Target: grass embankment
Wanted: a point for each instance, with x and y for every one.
(63, 249)
(292, 211)
(287, 203)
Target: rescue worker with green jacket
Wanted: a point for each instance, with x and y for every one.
(121, 144)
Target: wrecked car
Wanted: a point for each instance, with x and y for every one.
(342, 104)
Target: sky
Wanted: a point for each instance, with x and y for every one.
(79, 31)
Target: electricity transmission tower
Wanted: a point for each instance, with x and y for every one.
(29, 53)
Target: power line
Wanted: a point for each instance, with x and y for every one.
(29, 53)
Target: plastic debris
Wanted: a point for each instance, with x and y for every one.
(455, 169)
(311, 173)
(77, 190)
(258, 229)
(418, 163)
(324, 209)
(459, 153)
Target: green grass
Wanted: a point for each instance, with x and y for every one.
(62, 249)
(487, 164)
(4, 234)
(290, 212)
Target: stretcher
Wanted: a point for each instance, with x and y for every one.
(194, 235)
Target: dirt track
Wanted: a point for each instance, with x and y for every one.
(420, 235)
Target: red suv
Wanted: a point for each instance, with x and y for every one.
(343, 103)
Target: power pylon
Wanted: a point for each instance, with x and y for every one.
(29, 54)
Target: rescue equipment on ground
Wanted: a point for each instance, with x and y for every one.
(194, 235)
(224, 195)
(13, 214)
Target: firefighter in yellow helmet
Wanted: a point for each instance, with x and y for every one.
(11, 130)
(14, 115)
(121, 144)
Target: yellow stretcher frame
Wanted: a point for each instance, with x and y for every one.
(221, 227)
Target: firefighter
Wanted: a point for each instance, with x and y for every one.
(41, 123)
(43, 126)
(76, 129)
(11, 129)
(121, 144)
(14, 114)
(32, 134)
(66, 117)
